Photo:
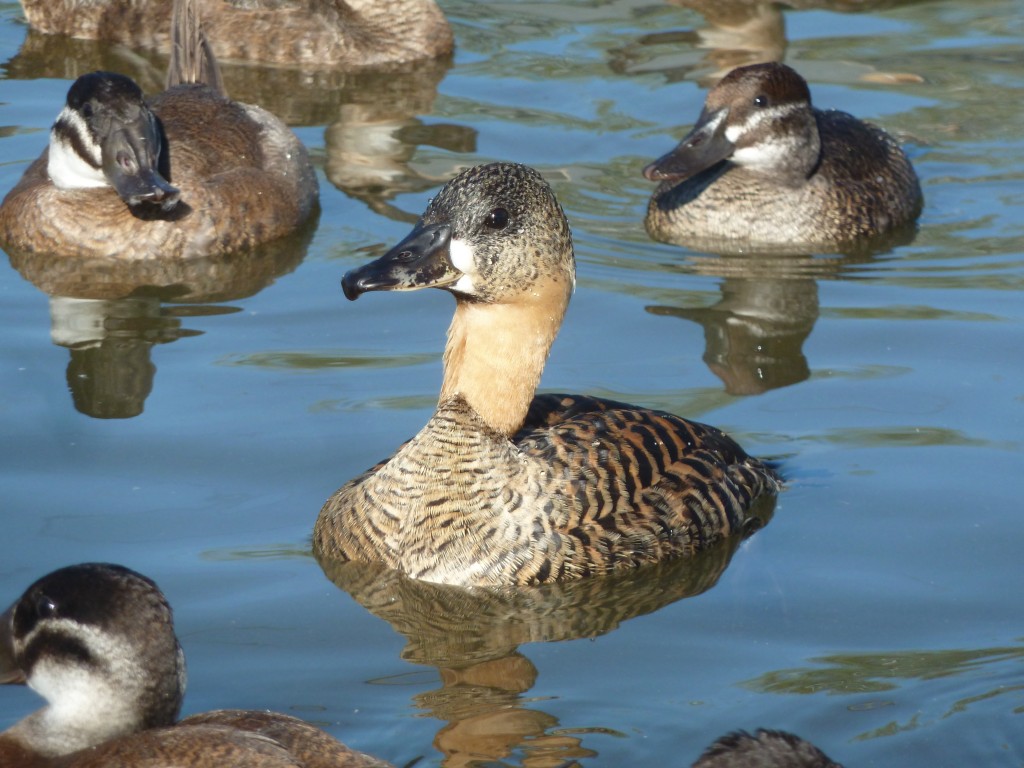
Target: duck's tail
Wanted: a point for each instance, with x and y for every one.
(192, 59)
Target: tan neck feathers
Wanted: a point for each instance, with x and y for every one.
(496, 354)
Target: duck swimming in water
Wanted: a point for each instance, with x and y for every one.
(762, 167)
(311, 34)
(187, 173)
(97, 642)
(502, 487)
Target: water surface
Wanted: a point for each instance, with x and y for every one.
(193, 433)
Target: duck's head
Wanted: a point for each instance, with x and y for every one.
(495, 234)
(106, 135)
(97, 642)
(758, 117)
(763, 749)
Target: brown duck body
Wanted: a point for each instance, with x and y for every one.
(504, 488)
(586, 486)
(188, 173)
(862, 186)
(781, 174)
(245, 179)
(307, 33)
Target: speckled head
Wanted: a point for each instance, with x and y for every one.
(758, 117)
(492, 234)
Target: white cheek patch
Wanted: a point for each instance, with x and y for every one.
(66, 167)
(772, 149)
(766, 154)
(736, 131)
(461, 255)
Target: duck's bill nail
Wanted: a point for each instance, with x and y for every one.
(421, 260)
(10, 672)
(701, 148)
(130, 158)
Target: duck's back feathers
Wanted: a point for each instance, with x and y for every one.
(667, 485)
(199, 746)
(309, 746)
(763, 749)
(587, 486)
(873, 186)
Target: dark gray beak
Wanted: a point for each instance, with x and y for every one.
(131, 156)
(421, 260)
(10, 672)
(700, 149)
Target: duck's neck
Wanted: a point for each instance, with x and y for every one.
(495, 355)
(85, 709)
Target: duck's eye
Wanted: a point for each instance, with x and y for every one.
(496, 219)
(87, 110)
(761, 100)
(45, 607)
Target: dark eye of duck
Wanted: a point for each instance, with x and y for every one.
(761, 100)
(87, 110)
(45, 607)
(496, 219)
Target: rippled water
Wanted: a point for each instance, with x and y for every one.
(195, 439)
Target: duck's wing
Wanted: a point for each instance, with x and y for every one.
(641, 484)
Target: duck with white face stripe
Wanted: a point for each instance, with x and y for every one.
(762, 167)
(186, 174)
(97, 642)
(106, 135)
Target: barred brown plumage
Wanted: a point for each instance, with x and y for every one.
(504, 487)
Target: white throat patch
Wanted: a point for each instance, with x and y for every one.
(66, 167)
(88, 704)
(461, 254)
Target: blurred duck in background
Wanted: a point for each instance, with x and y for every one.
(303, 33)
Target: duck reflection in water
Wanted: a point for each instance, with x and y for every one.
(472, 636)
(754, 334)
(735, 33)
(110, 373)
(111, 313)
